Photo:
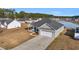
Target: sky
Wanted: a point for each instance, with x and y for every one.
(52, 11)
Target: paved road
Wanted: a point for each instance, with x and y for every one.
(37, 43)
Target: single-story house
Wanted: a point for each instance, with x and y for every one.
(28, 20)
(47, 27)
(76, 34)
(9, 24)
(22, 20)
(33, 20)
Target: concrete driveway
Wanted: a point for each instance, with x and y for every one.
(37, 43)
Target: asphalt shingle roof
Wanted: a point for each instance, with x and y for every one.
(7, 21)
(51, 23)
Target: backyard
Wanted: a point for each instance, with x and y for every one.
(14, 37)
(65, 41)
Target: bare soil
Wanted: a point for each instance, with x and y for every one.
(65, 41)
(14, 37)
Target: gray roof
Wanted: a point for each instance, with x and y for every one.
(23, 19)
(2, 21)
(51, 23)
(7, 21)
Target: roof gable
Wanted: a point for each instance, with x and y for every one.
(5, 21)
(9, 21)
(51, 23)
(45, 26)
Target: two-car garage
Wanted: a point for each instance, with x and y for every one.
(45, 33)
(49, 28)
(51, 33)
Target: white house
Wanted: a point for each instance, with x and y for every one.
(22, 20)
(76, 34)
(47, 27)
(33, 20)
(9, 24)
(13, 24)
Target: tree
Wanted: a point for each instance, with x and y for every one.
(75, 16)
(11, 13)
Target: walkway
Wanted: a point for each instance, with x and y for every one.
(37, 43)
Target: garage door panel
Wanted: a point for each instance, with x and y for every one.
(44, 33)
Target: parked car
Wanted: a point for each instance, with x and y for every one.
(76, 34)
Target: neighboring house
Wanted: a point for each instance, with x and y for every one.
(76, 34)
(9, 24)
(13, 24)
(33, 20)
(56, 19)
(3, 24)
(77, 19)
(5, 19)
(28, 20)
(48, 28)
(22, 20)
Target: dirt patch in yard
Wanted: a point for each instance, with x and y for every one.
(65, 41)
(14, 37)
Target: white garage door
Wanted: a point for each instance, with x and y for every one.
(44, 33)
